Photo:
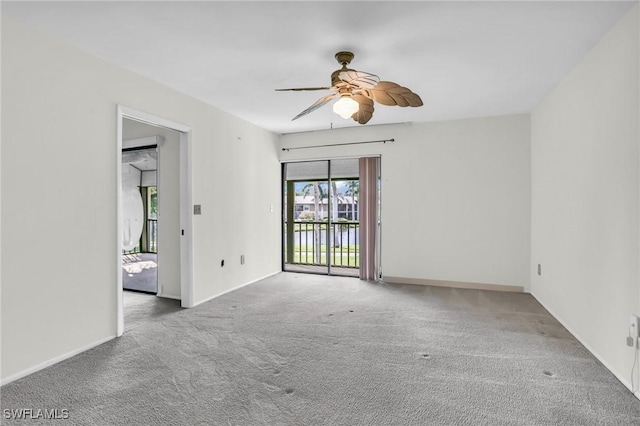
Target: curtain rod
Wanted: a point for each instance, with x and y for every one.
(339, 144)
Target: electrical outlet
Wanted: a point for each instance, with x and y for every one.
(242, 259)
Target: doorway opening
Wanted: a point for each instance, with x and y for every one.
(165, 230)
(321, 217)
(140, 214)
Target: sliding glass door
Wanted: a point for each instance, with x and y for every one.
(306, 205)
(320, 217)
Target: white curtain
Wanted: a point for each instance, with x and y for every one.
(368, 212)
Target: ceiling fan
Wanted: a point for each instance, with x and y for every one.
(357, 90)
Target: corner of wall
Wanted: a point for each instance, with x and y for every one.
(585, 196)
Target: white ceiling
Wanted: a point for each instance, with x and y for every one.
(465, 59)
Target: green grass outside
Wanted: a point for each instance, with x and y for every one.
(338, 260)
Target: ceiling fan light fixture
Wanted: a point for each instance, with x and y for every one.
(356, 91)
(345, 107)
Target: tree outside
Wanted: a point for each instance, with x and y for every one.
(342, 191)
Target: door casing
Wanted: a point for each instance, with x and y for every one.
(186, 219)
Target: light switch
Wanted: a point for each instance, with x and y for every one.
(197, 209)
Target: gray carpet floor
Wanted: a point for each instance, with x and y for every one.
(140, 308)
(310, 350)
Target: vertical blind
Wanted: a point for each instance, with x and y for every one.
(368, 217)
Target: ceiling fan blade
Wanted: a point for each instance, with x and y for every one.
(390, 93)
(320, 102)
(300, 89)
(361, 79)
(365, 112)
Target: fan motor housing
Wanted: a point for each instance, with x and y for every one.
(335, 79)
(344, 58)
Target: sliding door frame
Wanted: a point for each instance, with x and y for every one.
(289, 203)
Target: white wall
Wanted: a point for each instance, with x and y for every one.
(59, 252)
(130, 176)
(149, 178)
(585, 192)
(168, 179)
(455, 195)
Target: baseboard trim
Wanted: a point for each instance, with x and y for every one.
(453, 284)
(53, 361)
(622, 380)
(168, 296)
(210, 298)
